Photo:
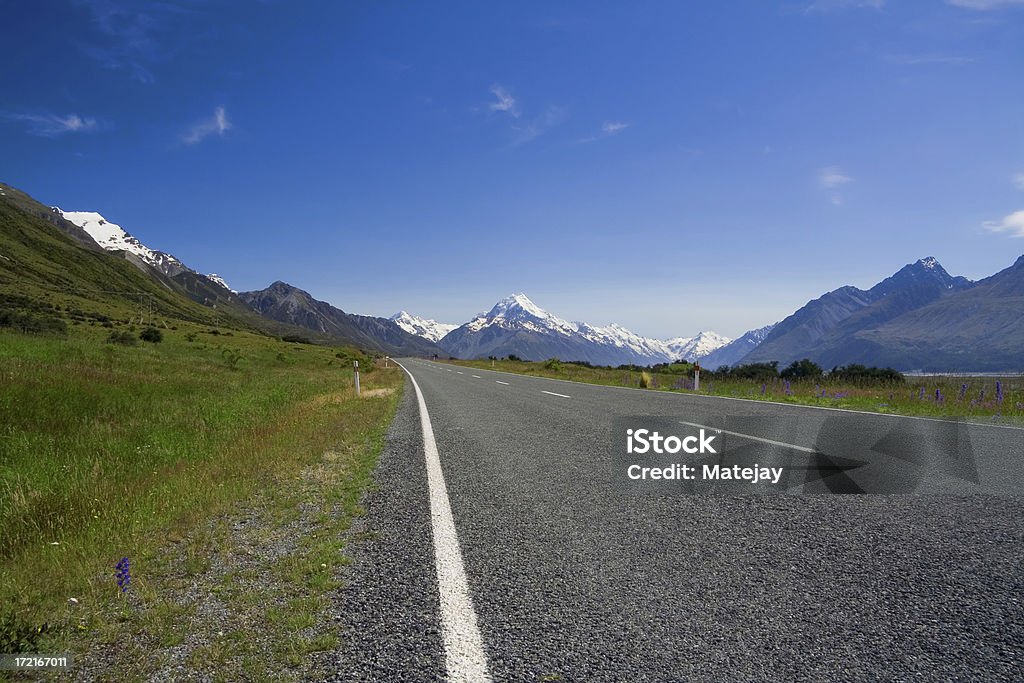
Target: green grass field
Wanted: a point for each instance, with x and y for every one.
(971, 397)
(111, 451)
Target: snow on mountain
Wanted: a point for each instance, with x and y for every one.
(221, 281)
(422, 327)
(113, 237)
(693, 348)
(518, 326)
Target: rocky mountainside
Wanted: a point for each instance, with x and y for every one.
(287, 304)
(828, 321)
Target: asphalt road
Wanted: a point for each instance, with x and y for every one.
(573, 577)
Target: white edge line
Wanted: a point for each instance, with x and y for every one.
(554, 394)
(463, 647)
(792, 446)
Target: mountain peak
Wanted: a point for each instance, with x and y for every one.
(923, 271)
(517, 304)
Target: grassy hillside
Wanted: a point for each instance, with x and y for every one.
(111, 451)
(43, 269)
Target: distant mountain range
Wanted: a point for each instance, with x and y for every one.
(920, 318)
(517, 326)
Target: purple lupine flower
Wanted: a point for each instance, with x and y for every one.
(999, 391)
(921, 395)
(823, 393)
(764, 388)
(963, 392)
(938, 396)
(124, 574)
(789, 391)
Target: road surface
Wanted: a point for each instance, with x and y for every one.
(566, 576)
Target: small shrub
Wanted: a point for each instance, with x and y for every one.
(152, 335)
(645, 380)
(232, 357)
(553, 364)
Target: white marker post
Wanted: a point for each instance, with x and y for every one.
(385, 362)
(356, 364)
(696, 376)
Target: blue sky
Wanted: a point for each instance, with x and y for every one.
(668, 166)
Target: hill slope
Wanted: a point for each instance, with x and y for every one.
(287, 304)
(820, 330)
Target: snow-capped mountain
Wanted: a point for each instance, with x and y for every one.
(206, 289)
(695, 348)
(422, 327)
(516, 325)
(221, 281)
(113, 237)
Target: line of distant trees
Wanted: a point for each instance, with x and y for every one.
(804, 368)
(808, 369)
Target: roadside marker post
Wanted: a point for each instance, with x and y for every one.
(696, 376)
(356, 364)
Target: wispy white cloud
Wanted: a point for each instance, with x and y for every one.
(608, 128)
(1018, 180)
(551, 117)
(832, 177)
(218, 124)
(52, 125)
(822, 6)
(1013, 224)
(985, 5)
(504, 102)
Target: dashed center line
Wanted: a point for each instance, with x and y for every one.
(551, 393)
(498, 381)
(477, 376)
(458, 372)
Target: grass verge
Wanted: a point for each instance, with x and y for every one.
(225, 469)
